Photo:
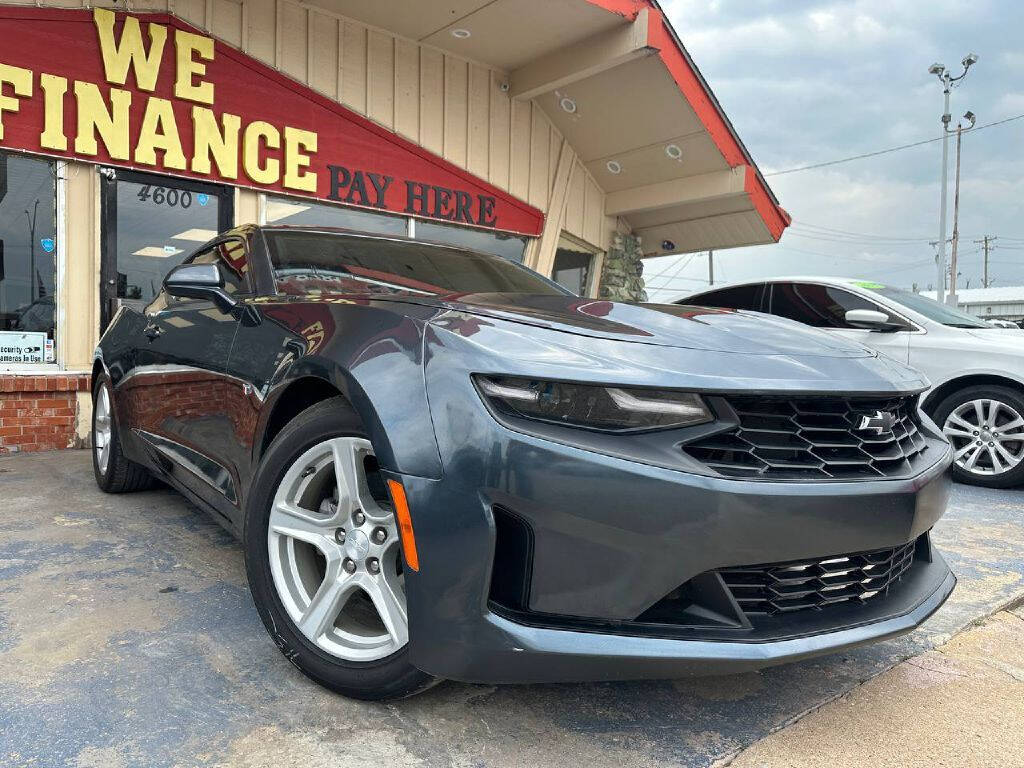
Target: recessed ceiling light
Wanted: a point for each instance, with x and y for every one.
(568, 105)
(196, 235)
(673, 151)
(461, 33)
(614, 166)
(156, 252)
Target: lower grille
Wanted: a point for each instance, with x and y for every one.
(768, 590)
(813, 438)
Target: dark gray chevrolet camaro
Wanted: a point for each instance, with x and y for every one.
(443, 465)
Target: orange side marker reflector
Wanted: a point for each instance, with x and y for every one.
(412, 559)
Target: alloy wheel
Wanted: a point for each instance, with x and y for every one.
(987, 436)
(102, 430)
(335, 557)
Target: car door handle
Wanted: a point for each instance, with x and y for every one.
(152, 331)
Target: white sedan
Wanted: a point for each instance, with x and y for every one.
(976, 370)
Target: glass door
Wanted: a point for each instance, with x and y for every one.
(149, 225)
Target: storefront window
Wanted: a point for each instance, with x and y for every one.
(303, 213)
(28, 259)
(511, 247)
(572, 267)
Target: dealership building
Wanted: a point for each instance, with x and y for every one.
(574, 136)
(995, 303)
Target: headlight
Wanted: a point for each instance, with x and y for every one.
(609, 409)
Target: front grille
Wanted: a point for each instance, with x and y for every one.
(767, 590)
(812, 438)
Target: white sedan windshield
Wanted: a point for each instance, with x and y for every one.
(930, 308)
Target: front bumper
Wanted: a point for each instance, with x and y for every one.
(537, 654)
(612, 537)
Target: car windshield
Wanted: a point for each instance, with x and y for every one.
(311, 263)
(930, 308)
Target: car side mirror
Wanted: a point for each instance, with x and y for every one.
(871, 320)
(200, 281)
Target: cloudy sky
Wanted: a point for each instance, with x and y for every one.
(808, 81)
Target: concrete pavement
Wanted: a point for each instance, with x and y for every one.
(128, 638)
(961, 704)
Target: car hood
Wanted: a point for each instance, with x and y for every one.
(1009, 338)
(666, 325)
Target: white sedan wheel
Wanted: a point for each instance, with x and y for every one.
(987, 436)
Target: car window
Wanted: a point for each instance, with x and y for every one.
(930, 308)
(737, 297)
(231, 259)
(310, 263)
(820, 306)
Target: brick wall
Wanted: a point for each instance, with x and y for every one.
(40, 413)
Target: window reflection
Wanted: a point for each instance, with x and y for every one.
(28, 248)
(312, 263)
(157, 227)
(511, 247)
(306, 213)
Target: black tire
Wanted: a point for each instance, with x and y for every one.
(392, 677)
(1010, 397)
(122, 475)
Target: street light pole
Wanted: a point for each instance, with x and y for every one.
(32, 251)
(956, 207)
(940, 257)
(948, 83)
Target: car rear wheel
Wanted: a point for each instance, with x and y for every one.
(114, 473)
(985, 424)
(324, 558)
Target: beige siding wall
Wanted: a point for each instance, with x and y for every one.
(449, 105)
(79, 288)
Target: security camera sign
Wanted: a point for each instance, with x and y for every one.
(18, 347)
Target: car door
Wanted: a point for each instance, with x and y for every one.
(179, 385)
(825, 306)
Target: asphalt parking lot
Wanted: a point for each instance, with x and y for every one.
(127, 638)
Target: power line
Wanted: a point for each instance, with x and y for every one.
(679, 268)
(831, 230)
(674, 266)
(886, 151)
(856, 241)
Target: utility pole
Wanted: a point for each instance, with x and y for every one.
(948, 83)
(711, 267)
(956, 206)
(986, 246)
(939, 297)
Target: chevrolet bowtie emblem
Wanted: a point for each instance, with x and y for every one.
(879, 422)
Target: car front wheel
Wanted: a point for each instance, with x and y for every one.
(985, 424)
(324, 558)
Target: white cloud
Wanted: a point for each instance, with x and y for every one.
(816, 80)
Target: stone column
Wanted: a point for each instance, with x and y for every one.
(621, 276)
